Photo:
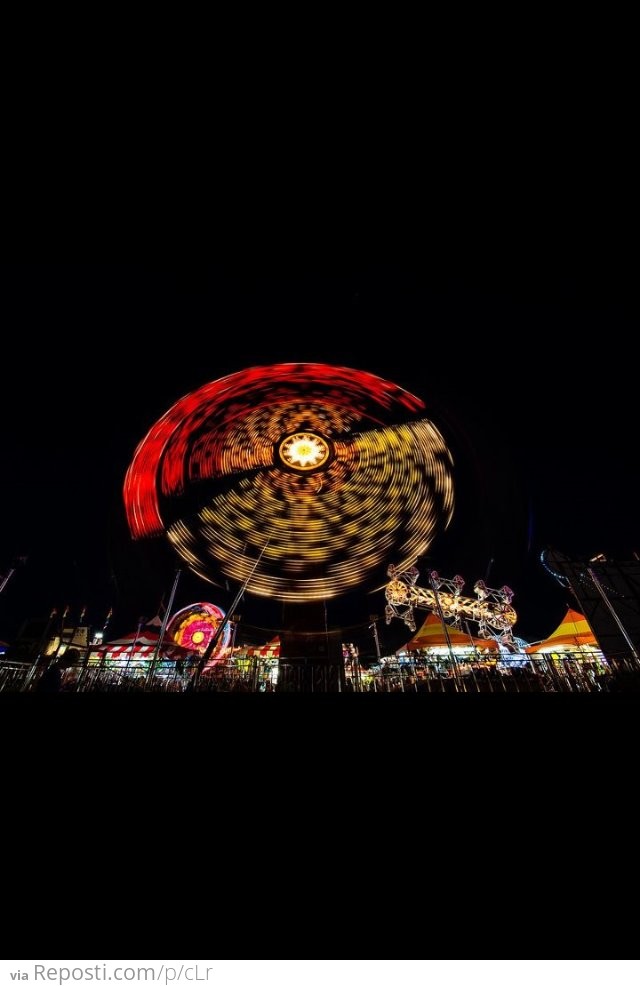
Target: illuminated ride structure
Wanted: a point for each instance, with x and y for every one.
(491, 609)
(298, 479)
(195, 626)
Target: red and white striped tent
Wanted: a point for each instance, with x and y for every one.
(143, 644)
(270, 650)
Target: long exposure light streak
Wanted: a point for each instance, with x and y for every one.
(331, 465)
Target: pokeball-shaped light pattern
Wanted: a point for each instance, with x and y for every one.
(194, 626)
(326, 466)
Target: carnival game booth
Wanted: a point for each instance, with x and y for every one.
(437, 657)
(138, 660)
(571, 656)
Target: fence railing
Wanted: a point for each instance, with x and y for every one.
(13, 675)
(572, 672)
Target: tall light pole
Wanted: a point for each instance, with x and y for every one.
(163, 628)
(596, 581)
(211, 646)
(454, 659)
(374, 626)
(12, 571)
(6, 578)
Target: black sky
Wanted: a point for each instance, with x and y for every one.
(527, 368)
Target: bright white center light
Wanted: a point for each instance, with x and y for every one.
(304, 451)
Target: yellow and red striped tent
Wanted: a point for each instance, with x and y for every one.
(432, 634)
(573, 632)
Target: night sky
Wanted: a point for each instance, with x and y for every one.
(525, 368)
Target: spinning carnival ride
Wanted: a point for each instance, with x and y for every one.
(299, 479)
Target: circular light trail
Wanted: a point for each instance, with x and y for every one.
(334, 470)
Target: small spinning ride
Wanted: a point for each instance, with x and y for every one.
(195, 626)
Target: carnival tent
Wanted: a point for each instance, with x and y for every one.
(272, 649)
(432, 635)
(572, 634)
(143, 644)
